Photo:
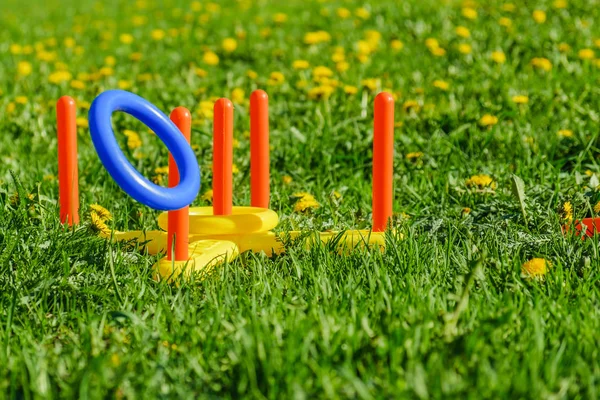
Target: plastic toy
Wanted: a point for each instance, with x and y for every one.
(198, 238)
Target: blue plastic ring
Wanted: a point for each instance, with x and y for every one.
(117, 165)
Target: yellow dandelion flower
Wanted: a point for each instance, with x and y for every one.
(16, 49)
(480, 181)
(541, 63)
(465, 48)
(207, 196)
(396, 45)
(46, 56)
(498, 57)
(24, 68)
(567, 133)
(98, 224)
(164, 170)
(586, 54)
(124, 84)
(82, 122)
(229, 45)
(320, 92)
(342, 66)
(362, 13)
(505, 22)
(320, 72)
(350, 89)
(338, 57)
(317, 37)
(414, 155)
(251, 74)
(442, 85)
(488, 120)
(438, 52)
(520, 99)
(411, 105)
(111, 61)
(276, 78)
(237, 96)
(21, 100)
(133, 139)
(126, 38)
(77, 84)
(210, 58)
(536, 267)
(560, 4)
(465, 211)
(286, 179)
(462, 31)
(58, 77)
(469, 13)
(280, 18)
(566, 211)
(304, 202)
(303, 195)
(157, 34)
(106, 71)
(343, 12)
(431, 43)
(101, 212)
(539, 16)
(564, 47)
(200, 72)
(300, 64)
(370, 83)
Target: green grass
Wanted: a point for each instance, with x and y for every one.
(443, 312)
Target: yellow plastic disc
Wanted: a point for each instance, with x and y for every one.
(243, 220)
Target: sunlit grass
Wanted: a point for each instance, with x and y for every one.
(483, 296)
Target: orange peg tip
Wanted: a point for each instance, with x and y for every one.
(259, 95)
(384, 98)
(66, 101)
(224, 104)
(181, 114)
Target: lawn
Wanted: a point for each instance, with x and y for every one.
(478, 293)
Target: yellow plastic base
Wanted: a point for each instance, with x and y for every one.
(204, 255)
(242, 220)
(268, 242)
(216, 238)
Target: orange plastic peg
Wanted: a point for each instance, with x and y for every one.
(259, 149)
(222, 157)
(179, 222)
(383, 161)
(68, 185)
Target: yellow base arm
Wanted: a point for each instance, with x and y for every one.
(204, 255)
